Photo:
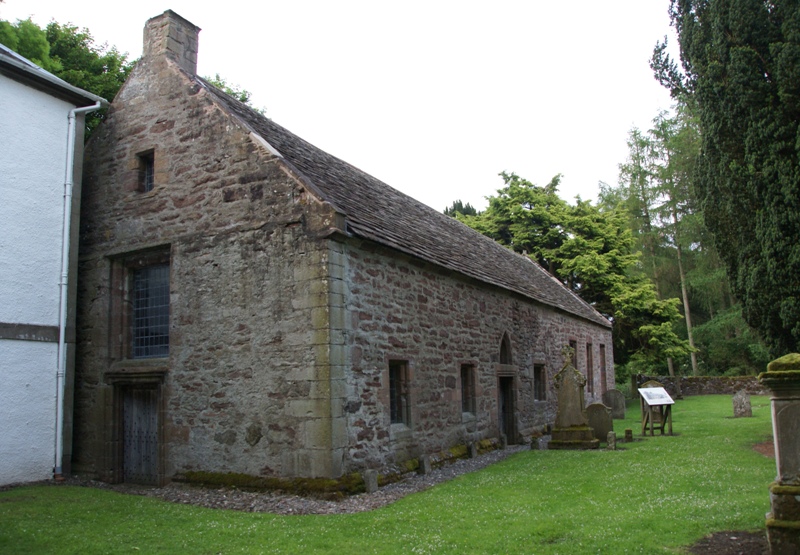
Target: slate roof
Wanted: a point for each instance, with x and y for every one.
(380, 213)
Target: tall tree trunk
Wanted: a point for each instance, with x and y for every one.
(670, 362)
(685, 296)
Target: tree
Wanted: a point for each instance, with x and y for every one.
(71, 54)
(740, 66)
(459, 207)
(656, 192)
(592, 252)
(237, 92)
(676, 145)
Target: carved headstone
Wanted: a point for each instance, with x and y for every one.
(569, 385)
(599, 417)
(615, 399)
(741, 404)
(571, 430)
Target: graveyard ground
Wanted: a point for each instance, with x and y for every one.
(655, 495)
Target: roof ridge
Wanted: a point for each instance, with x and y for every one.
(378, 212)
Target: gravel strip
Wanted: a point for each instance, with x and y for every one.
(282, 504)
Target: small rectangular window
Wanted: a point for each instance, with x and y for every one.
(603, 376)
(539, 383)
(146, 171)
(589, 369)
(467, 388)
(150, 325)
(398, 392)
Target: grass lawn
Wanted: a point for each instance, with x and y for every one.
(652, 496)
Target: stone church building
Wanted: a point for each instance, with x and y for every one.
(249, 303)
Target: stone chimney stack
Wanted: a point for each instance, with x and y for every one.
(171, 35)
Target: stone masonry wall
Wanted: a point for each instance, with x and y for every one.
(402, 309)
(704, 385)
(280, 333)
(245, 387)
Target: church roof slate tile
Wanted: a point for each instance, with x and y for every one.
(380, 213)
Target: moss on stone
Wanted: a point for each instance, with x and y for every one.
(326, 488)
(784, 363)
(779, 489)
(775, 523)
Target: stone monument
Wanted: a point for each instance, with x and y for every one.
(615, 399)
(783, 521)
(572, 429)
(600, 421)
(741, 404)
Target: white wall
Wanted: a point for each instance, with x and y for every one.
(27, 410)
(33, 144)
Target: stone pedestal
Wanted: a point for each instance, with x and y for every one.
(783, 522)
(576, 437)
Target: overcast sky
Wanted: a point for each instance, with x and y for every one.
(433, 97)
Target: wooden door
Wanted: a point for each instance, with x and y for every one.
(140, 435)
(506, 408)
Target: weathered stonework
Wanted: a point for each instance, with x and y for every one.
(783, 521)
(400, 308)
(282, 320)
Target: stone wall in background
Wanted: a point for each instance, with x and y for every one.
(704, 385)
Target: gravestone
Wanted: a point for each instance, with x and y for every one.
(542, 443)
(628, 435)
(425, 465)
(599, 417)
(611, 441)
(741, 404)
(615, 399)
(783, 521)
(571, 430)
(371, 480)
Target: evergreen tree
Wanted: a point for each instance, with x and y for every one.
(592, 252)
(741, 68)
(459, 207)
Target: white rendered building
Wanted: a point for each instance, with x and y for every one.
(41, 153)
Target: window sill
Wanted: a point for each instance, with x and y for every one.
(399, 431)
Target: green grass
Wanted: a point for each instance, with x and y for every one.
(652, 496)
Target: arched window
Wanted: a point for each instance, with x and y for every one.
(505, 350)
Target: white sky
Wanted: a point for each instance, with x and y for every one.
(433, 97)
